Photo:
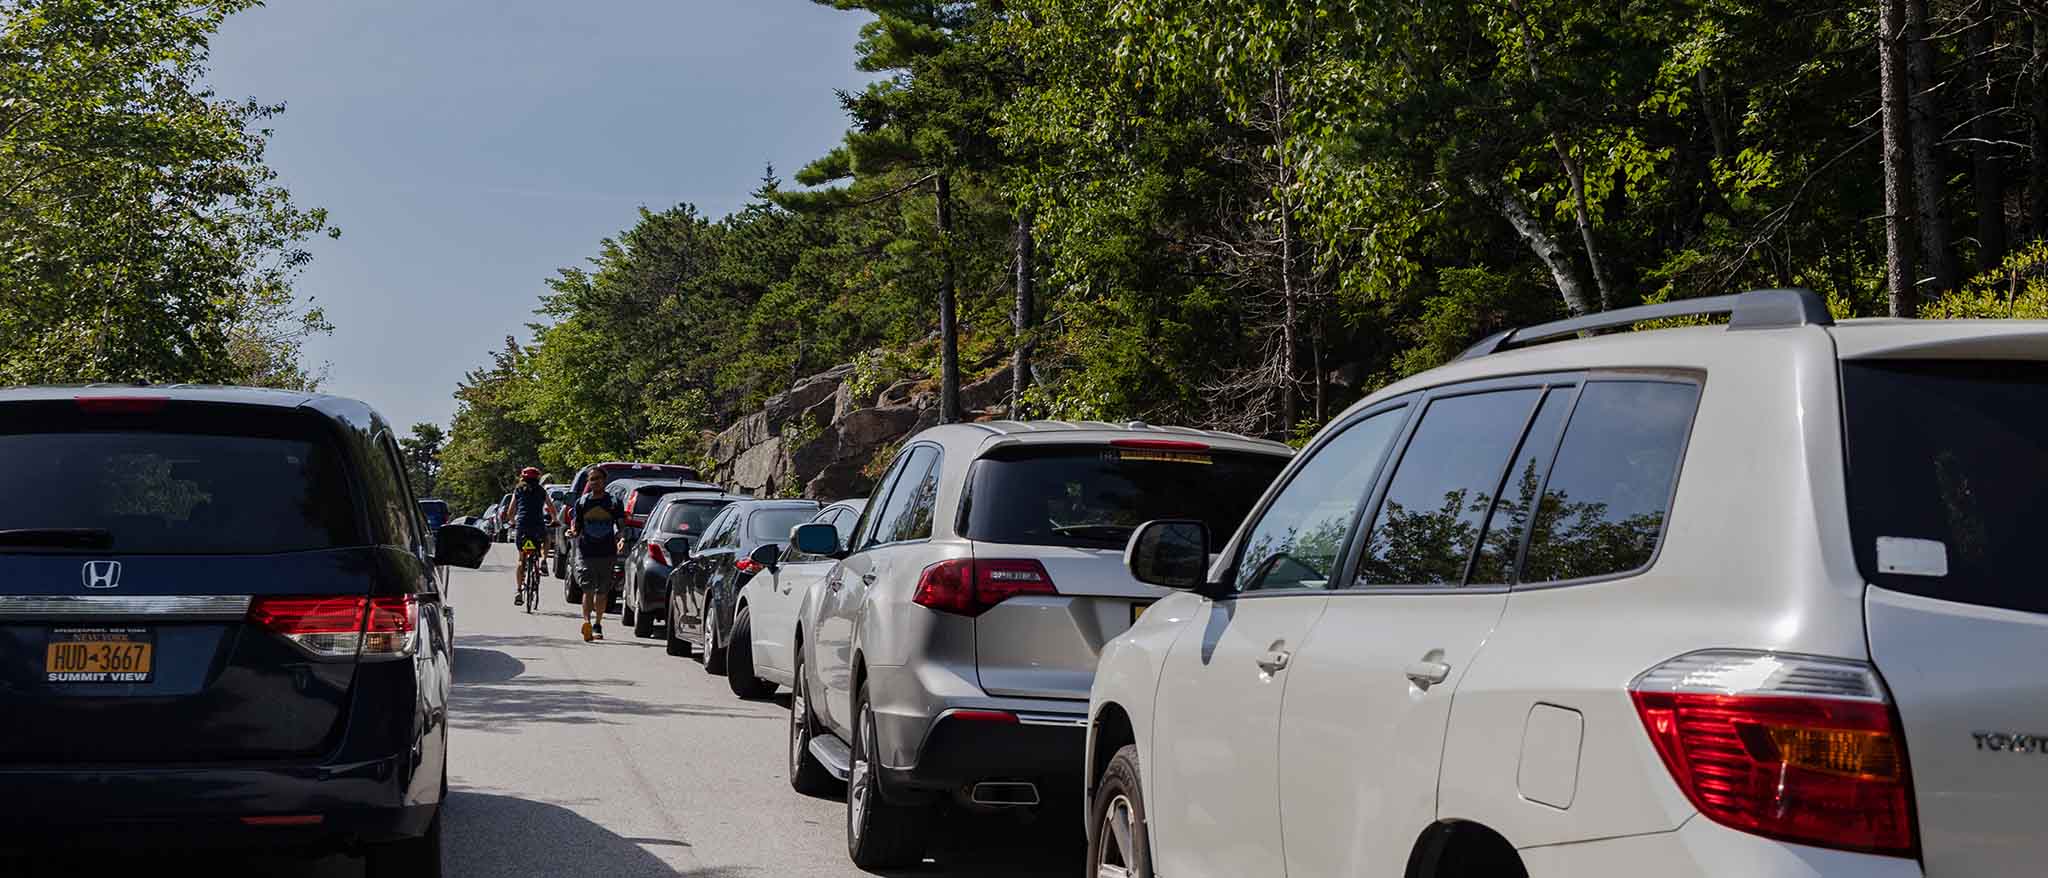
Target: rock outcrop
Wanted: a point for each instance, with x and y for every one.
(820, 439)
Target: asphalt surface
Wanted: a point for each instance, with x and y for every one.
(615, 759)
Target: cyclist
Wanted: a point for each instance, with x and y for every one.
(529, 527)
(594, 525)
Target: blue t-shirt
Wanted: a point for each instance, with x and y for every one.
(530, 511)
(597, 523)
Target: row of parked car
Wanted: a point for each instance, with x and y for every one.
(1677, 597)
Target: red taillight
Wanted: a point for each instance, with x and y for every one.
(970, 586)
(655, 551)
(981, 716)
(749, 566)
(633, 520)
(342, 627)
(1159, 444)
(1790, 747)
(121, 405)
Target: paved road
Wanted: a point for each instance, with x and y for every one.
(615, 759)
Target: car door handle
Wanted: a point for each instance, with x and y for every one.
(1425, 674)
(1275, 660)
(867, 579)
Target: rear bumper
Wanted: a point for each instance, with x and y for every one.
(187, 807)
(653, 588)
(1705, 849)
(947, 744)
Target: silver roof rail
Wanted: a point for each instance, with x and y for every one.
(1756, 309)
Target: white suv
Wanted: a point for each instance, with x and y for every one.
(1759, 600)
(949, 653)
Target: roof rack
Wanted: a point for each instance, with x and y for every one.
(1756, 309)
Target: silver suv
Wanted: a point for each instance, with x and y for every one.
(950, 653)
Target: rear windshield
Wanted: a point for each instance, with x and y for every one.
(1095, 496)
(1948, 465)
(186, 493)
(690, 516)
(773, 525)
(435, 511)
(643, 502)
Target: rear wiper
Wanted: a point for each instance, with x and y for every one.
(58, 537)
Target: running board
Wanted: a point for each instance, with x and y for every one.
(833, 754)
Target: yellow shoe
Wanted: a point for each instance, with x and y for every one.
(586, 632)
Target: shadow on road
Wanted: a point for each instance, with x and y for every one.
(478, 665)
(495, 835)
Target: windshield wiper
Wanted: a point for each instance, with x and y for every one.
(58, 538)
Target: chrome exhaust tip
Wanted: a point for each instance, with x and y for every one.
(1006, 793)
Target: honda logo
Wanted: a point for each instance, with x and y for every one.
(102, 574)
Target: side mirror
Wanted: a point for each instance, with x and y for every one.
(817, 539)
(678, 548)
(767, 556)
(460, 545)
(1173, 553)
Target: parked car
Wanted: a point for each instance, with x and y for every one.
(704, 589)
(951, 649)
(221, 615)
(762, 654)
(433, 513)
(677, 519)
(614, 471)
(1684, 597)
(490, 523)
(559, 501)
(507, 511)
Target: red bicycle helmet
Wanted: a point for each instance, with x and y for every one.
(530, 473)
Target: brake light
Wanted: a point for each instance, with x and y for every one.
(121, 405)
(1792, 747)
(749, 566)
(632, 499)
(981, 716)
(970, 586)
(342, 627)
(1159, 444)
(654, 551)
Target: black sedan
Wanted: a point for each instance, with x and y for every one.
(704, 587)
(680, 515)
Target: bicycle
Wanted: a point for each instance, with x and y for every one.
(529, 574)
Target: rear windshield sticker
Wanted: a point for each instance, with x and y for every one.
(1907, 556)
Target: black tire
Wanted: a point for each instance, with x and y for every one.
(561, 569)
(643, 625)
(1118, 834)
(626, 616)
(806, 774)
(879, 835)
(739, 662)
(571, 593)
(677, 646)
(714, 652)
(411, 858)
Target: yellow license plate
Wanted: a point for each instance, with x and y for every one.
(1138, 610)
(100, 655)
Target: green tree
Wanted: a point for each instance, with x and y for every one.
(422, 452)
(142, 236)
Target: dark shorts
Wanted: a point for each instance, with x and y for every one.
(596, 576)
(539, 538)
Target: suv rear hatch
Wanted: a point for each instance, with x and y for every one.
(1948, 478)
(138, 541)
(1049, 523)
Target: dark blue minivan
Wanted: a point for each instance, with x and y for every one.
(219, 625)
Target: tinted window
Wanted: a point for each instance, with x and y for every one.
(721, 529)
(844, 522)
(773, 525)
(691, 517)
(1502, 539)
(1296, 541)
(865, 527)
(1094, 496)
(1443, 487)
(179, 493)
(1608, 495)
(908, 514)
(387, 485)
(1948, 465)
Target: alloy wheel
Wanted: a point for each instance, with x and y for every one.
(1114, 857)
(797, 721)
(858, 793)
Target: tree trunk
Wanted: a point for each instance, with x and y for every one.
(2037, 91)
(1986, 178)
(1710, 104)
(1290, 336)
(1575, 173)
(1930, 187)
(1577, 299)
(1898, 220)
(1024, 314)
(949, 318)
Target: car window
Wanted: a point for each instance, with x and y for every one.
(394, 508)
(1093, 496)
(1501, 541)
(844, 523)
(1442, 487)
(717, 534)
(1297, 537)
(864, 529)
(772, 525)
(907, 515)
(1605, 504)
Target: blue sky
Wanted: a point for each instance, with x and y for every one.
(469, 148)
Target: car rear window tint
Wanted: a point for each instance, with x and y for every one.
(1948, 467)
(1609, 493)
(692, 516)
(1094, 496)
(1442, 488)
(773, 525)
(179, 492)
